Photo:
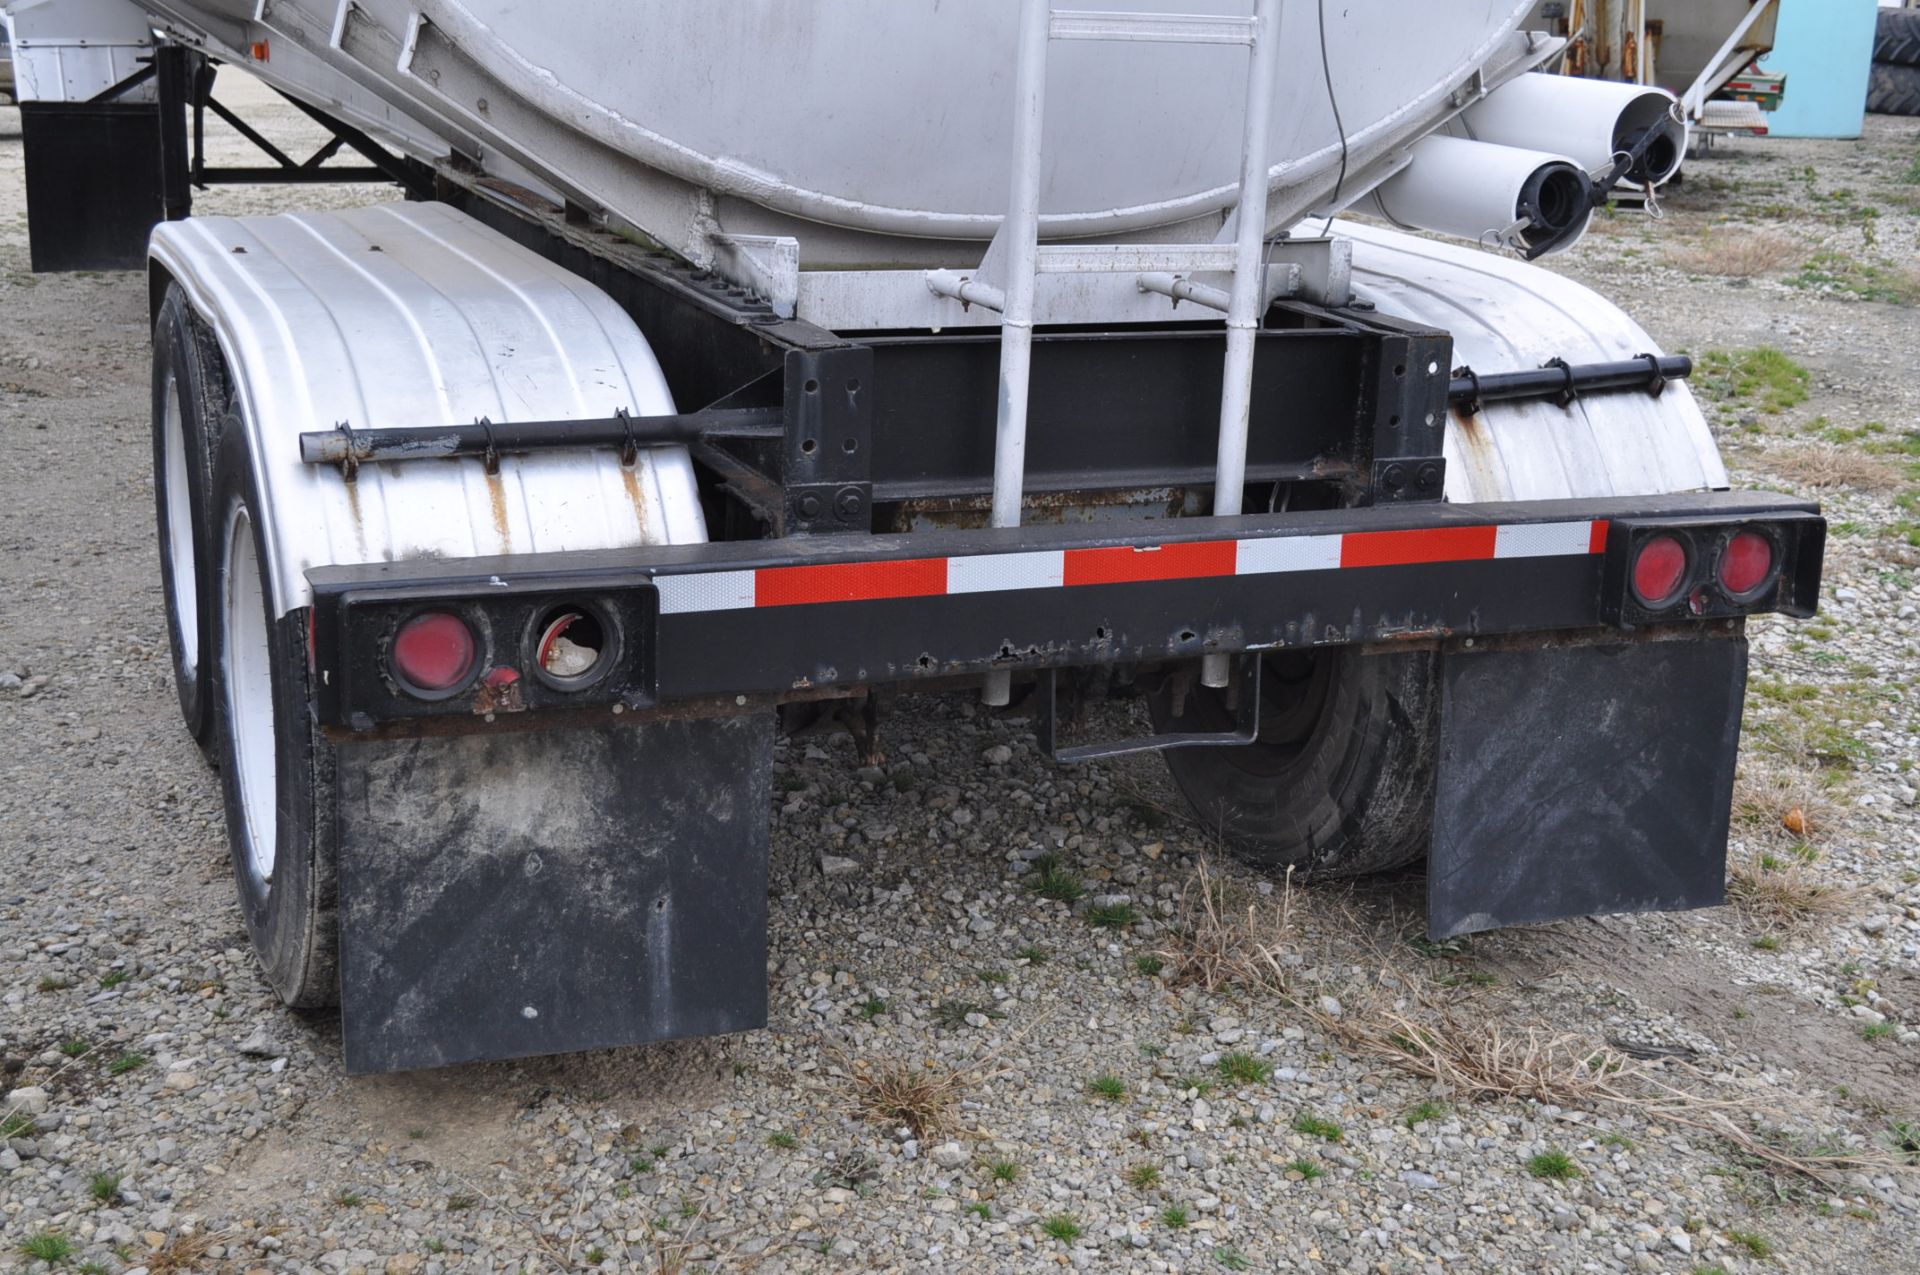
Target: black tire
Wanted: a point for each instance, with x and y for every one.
(1341, 781)
(276, 768)
(1896, 38)
(1894, 90)
(189, 399)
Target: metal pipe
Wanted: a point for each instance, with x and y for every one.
(1181, 288)
(1020, 236)
(353, 446)
(1248, 295)
(1647, 372)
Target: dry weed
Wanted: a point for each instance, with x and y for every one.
(1216, 942)
(1739, 254)
(1824, 465)
(920, 1095)
(1771, 802)
(1779, 889)
(182, 1254)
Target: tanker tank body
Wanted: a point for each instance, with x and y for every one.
(742, 364)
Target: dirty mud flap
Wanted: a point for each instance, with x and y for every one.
(1576, 780)
(546, 891)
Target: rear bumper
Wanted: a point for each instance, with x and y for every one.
(802, 615)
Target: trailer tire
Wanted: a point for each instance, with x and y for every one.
(1894, 90)
(1896, 38)
(1341, 780)
(189, 397)
(276, 767)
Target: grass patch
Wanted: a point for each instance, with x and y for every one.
(1318, 1127)
(1763, 379)
(1779, 890)
(1144, 1176)
(112, 979)
(1063, 1227)
(1149, 965)
(1051, 880)
(127, 1062)
(1756, 1244)
(920, 1095)
(1738, 254)
(871, 1008)
(783, 1140)
(1033, 954)
(1244, 1069)
(1004, 1171)
(1175, 1216)
(1307, 1169)
(104, 1187)
(1112, 916)
(75, 1047)
(953, 1013)
(48, 1246)
(1232, 1258)
(1423, 1112)
(1879, 1031)
(1220, 941)
(1555, 1166)
(1108, 1086)
(1859, 278)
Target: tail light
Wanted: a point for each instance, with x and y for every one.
(1669, 569)
(434, 654)
(1659, 571)
(1746, 564)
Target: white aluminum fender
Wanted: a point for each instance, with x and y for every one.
(417, 315)
(1508, 316)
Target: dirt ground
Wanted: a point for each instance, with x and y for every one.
(1792, 1016)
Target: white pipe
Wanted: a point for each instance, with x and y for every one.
(1589, 120)
(1480, 191)
(1247, 298)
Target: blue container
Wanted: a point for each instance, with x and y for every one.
(1824, 48)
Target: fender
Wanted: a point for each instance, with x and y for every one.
(1506, 315)
(416, 314)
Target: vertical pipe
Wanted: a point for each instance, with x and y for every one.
(173, 80)
(1020, 236)
(1247, 300)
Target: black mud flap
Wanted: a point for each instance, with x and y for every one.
(93, 183)
(547, 891)
(1579, 780)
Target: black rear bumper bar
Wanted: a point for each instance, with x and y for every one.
(800, 615)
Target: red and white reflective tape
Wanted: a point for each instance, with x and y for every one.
(1125, 564)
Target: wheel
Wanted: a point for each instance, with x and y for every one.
(1896, 39)
(1340, 781)
(1894, 90)
(276, 769)
(189, 397)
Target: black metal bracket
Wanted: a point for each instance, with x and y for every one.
(1410, 418)
(346, 446)
(1243, 697)
(824, 464)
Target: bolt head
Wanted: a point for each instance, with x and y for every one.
(809, 506)
(1393, 477)
(848, 504)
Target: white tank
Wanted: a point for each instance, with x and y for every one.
(861, 126)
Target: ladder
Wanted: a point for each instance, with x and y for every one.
(1007, 276)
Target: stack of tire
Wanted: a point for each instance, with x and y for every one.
(1894, 87)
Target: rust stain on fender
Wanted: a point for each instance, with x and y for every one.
(497, 495)
(636, 494)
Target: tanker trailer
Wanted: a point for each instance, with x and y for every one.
(741, 357)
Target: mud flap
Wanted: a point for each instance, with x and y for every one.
(548, 891)
(1578, 780)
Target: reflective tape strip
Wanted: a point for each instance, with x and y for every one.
(1123, 564)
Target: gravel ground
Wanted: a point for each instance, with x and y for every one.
(1102, 1109)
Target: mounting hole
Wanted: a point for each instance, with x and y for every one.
(1393, 420)
(1433, 369)
(925, 661)
(1100, 634)
(809, 445)
(850, 446)
(1187, 635)
(853, 385)
(1399, 369)
(811, 386)
(571, 646)
(1429, 418)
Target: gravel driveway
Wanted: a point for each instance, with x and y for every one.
(1104, 1096)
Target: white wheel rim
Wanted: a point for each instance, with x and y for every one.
(184, 597)
(247, 676)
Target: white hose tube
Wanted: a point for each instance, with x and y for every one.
(1590, 120)
(1479, 191)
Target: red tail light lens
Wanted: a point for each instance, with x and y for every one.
(434, 652)
(1746, 563)
(1659, 571)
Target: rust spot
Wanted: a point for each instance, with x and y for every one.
(499, 693)
(497, 493)
(1476, 439)
(636, 494)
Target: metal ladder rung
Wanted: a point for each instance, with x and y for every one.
(1157, 28)
(1127, 258)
